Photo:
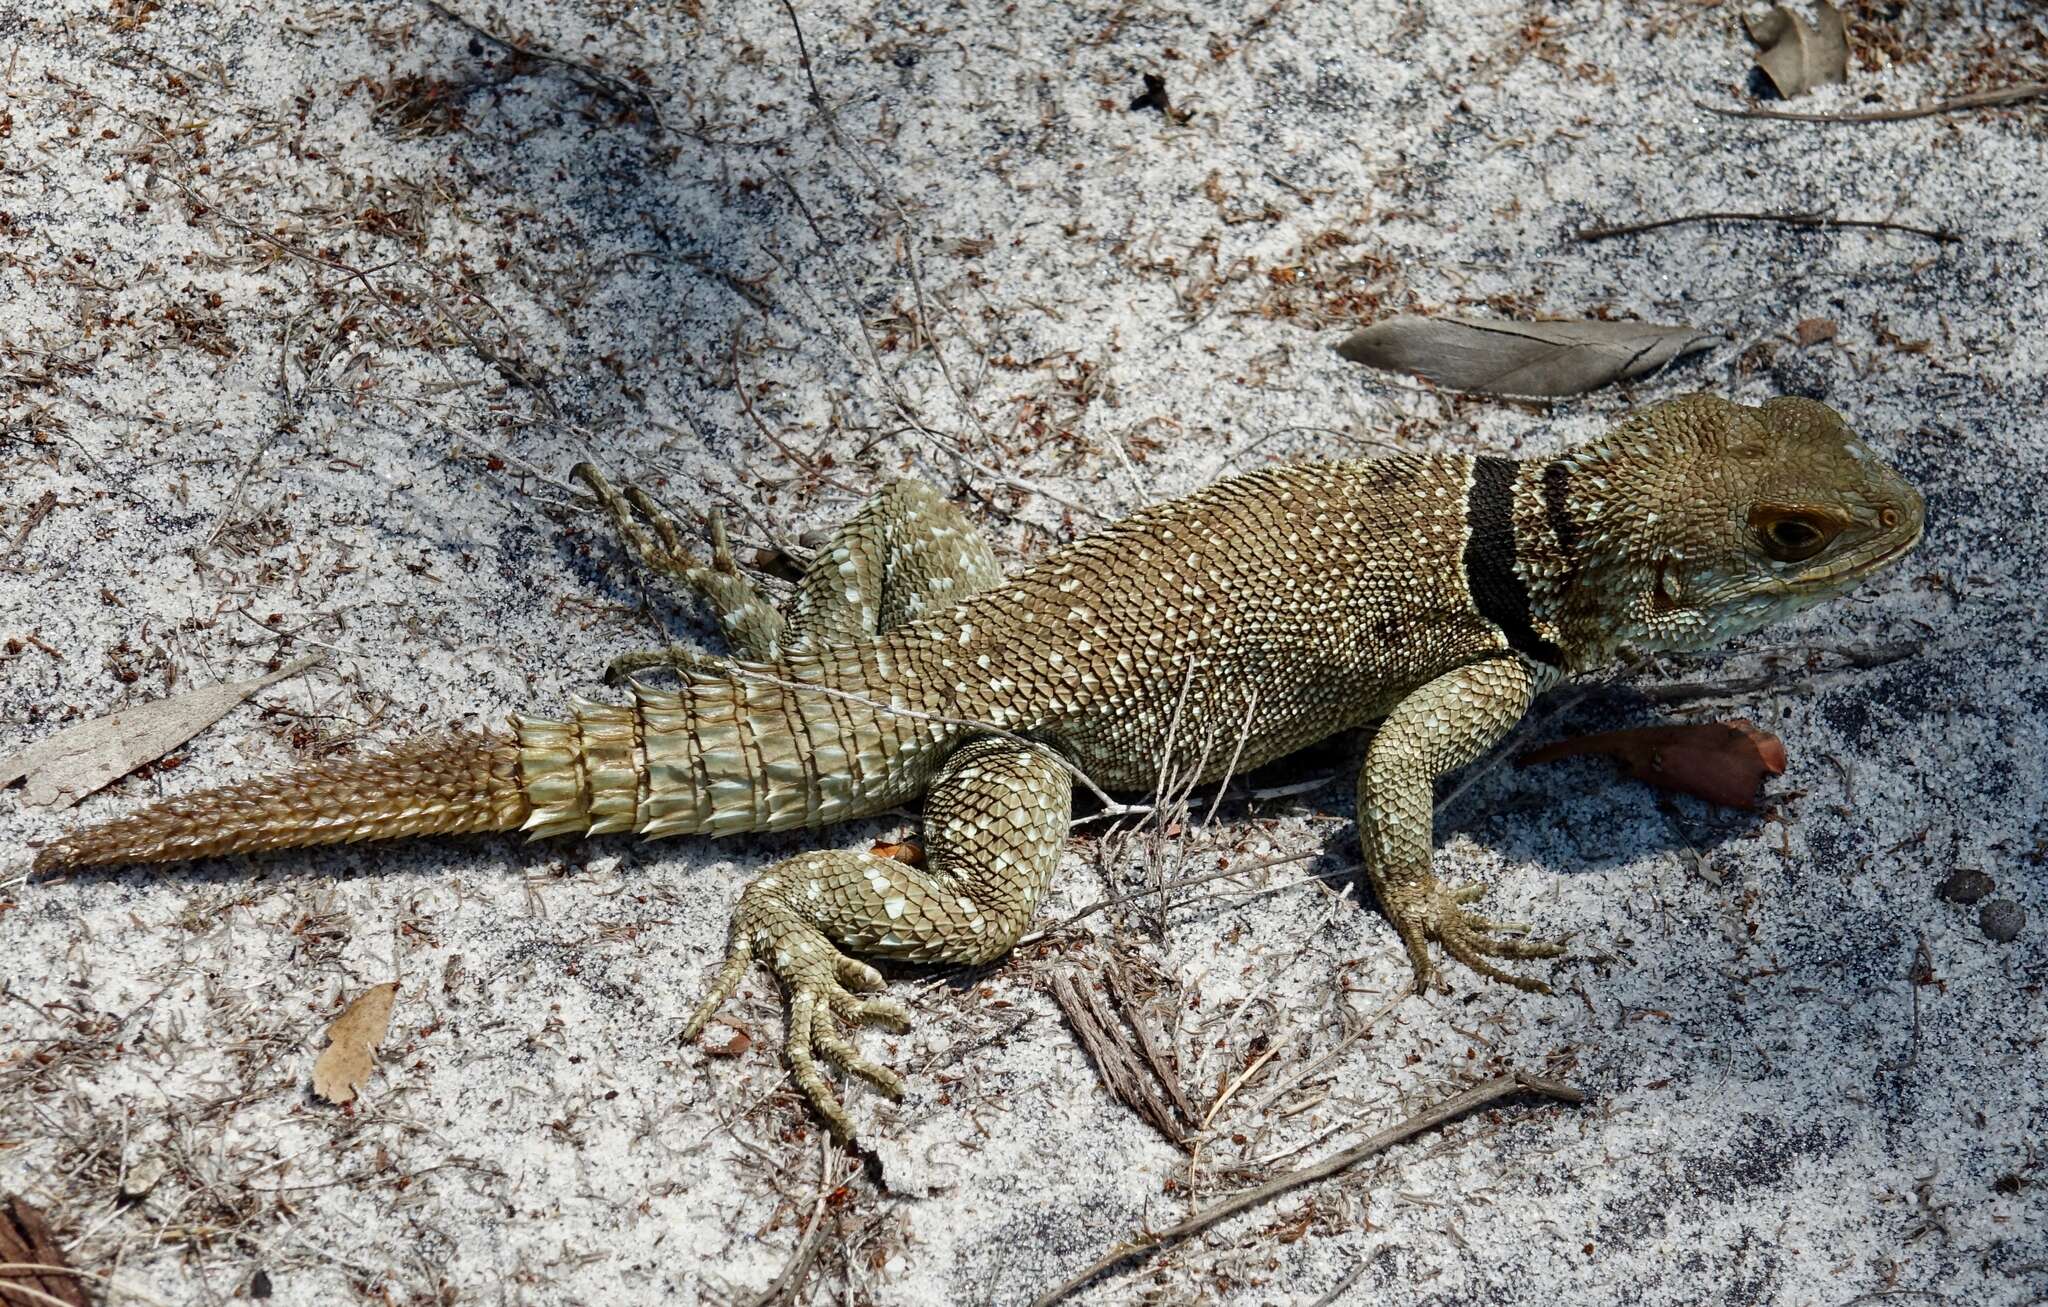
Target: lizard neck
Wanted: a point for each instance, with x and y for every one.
(1578, 567)
(1526, 537)
(1596, 586)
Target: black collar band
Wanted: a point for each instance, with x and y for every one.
(1497, 589)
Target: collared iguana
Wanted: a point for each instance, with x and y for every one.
(1437, 595)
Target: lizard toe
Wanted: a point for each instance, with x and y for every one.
(737, 959)
(858, 975)
(722, 560)
(1483, 967)
(848, 1006)
(803, 1065)
(1472, 939)
(835, 1046)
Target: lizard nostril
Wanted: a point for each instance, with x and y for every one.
(1888, 519)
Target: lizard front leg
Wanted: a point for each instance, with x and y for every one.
(1438, 728)
(995, 822)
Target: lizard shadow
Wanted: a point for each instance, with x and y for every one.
(1577, 816)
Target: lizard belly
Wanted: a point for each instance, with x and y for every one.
(1215, 712)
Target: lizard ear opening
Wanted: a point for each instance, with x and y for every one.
(1792, 535)
(1665, 593)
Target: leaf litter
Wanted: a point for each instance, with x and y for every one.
(345, 1064)
(81, 759)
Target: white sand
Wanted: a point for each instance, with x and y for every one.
(254, 452)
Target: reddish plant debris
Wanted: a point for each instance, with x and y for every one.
(30, 1259)
(1721, 762)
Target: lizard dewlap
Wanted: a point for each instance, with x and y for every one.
(1437, 595)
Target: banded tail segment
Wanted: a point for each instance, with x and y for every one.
(436, 785)
(739, 747)
(742, 746)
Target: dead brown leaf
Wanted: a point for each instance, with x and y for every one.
(1721, 762)
(1797, 55)
(346, 1061)
(1812, 331)
(738, 1042)
(31, 1262)
(907, 851)
(80, 759)
(1521, 358)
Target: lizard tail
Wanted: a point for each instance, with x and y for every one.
(739, 747)
(435, 785)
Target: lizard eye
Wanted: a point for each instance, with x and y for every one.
(1791, 535)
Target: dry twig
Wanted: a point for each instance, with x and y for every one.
(1940, 234)
(1123, 1072)
(1854, 660)
(792, 1277)
(604, 84)
(1471, 1100)
(1953, 104)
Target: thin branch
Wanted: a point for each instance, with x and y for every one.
(206, 207)
(1953, 104)
(27, 1293)
(1365, 1028)
(1941, 234)
(1470, 1101)
(1115, 900)
(806, 1252)
(1854, 660)
(604, 84)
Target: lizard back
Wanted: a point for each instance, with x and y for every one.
(1245, 621)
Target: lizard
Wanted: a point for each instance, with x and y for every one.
(1436, 596)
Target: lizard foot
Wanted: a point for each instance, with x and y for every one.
(679, 658)
(1472, 939)
(752, 625)
(824, 988)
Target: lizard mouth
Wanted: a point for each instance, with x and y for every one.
(1855, 567)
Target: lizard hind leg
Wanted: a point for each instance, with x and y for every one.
(995, 824)
(906, 552)
(753, 627)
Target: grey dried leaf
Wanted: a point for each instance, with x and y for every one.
(1797, 55)
(80, 759)
(1521, 358)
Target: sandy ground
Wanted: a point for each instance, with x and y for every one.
(306, 310)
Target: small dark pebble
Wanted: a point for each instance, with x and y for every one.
(1965, 885)
(2001, 920)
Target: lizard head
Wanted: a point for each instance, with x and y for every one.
(1704, 519)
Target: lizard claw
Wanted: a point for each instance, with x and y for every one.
(752, 625)
(824, 988)
(1472, 939)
